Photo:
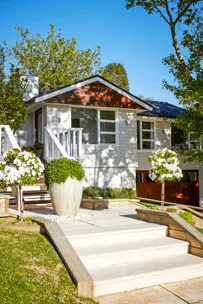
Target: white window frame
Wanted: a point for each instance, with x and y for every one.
(107, 132)
(190, 142)
(147, 130)
(99, 132)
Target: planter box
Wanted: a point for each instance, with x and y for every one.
(4, 203)
(66, 197)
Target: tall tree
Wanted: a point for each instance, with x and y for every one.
(116, 73)
(55, 60)
(185, 21)
(12, 106)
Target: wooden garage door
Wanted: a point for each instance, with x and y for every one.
(184, 192)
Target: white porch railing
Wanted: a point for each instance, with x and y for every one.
(63, 144)
(7, 140)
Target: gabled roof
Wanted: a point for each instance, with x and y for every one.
(163, 109)
(47, 95)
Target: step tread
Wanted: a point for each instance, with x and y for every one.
(113, 230)
(100, 250)
(145, 268)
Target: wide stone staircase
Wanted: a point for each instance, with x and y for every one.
(126, 257)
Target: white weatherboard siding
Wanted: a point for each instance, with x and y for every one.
(113, 165)
(162, 140)
(58, 118)
(25, 134)
(105, 165)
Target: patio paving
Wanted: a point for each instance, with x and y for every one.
(190, 291)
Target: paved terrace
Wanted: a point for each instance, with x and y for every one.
(190, 291)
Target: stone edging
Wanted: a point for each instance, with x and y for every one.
(70, 258)
(178, 228)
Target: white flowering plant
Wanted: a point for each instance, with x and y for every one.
(19, 168)
(165, 166)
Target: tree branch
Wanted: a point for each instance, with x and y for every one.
(174, 39)
(184, 11)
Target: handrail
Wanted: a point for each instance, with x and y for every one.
(53, 147)
(7, 139)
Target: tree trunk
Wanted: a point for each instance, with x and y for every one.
(162, 195)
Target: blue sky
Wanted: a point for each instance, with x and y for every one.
(131, 37)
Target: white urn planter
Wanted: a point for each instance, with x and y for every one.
(66, 197)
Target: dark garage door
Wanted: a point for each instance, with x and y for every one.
(184, 192)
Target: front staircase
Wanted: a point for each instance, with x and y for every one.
(135, 255)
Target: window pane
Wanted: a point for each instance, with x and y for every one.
(138, 135)
(147, 125)
(108, 115)
(189, 176)
(178, 138)
(107, 126)
(148, 145)
(107, 138)
(147, 135)
(86, 119)
(139, 178)
(148, 179)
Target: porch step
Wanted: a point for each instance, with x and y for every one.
(101, 255)
(113, 235)
(125, 257)
(132, 275)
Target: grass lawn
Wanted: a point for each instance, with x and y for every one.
(32, 272)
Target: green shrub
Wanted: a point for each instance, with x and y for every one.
(187, 216)
(58, 170)
(93, 192)
(171, 210)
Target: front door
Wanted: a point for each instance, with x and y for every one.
(38, 125)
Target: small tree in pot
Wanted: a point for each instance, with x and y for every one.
(164, 167)
(63, 178)
(19, 168)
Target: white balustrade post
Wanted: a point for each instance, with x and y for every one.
(79, 143)
(74, 145)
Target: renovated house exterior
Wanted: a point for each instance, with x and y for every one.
(110, 131)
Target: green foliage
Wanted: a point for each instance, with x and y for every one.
(58, 170)
(164, 166)
(32, 272)
(55, 60)
(94, 192)
(19, 168)
(187, 216)
(171, 210)
(185, 21)
(116, 73)
(12, 107)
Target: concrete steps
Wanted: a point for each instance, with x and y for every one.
(131, 275)
(126, 257)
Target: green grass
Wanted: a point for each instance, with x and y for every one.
(32, 272)
(150, 205)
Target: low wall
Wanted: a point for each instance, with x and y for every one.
(178, 228)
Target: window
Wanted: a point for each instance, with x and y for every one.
(192, 141)
(181, 140)
(178, 138)
(107, 121)
(139, 178)
(87, 120)
(99, 126)
(145, 135)
(189, 176)
(148, 179)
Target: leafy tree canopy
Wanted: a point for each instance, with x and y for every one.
(12, 107)
(116, 73)
(185, 21)
(55, 60)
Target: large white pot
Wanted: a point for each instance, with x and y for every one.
(66, 197)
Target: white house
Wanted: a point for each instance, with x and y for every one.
(110, 131)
